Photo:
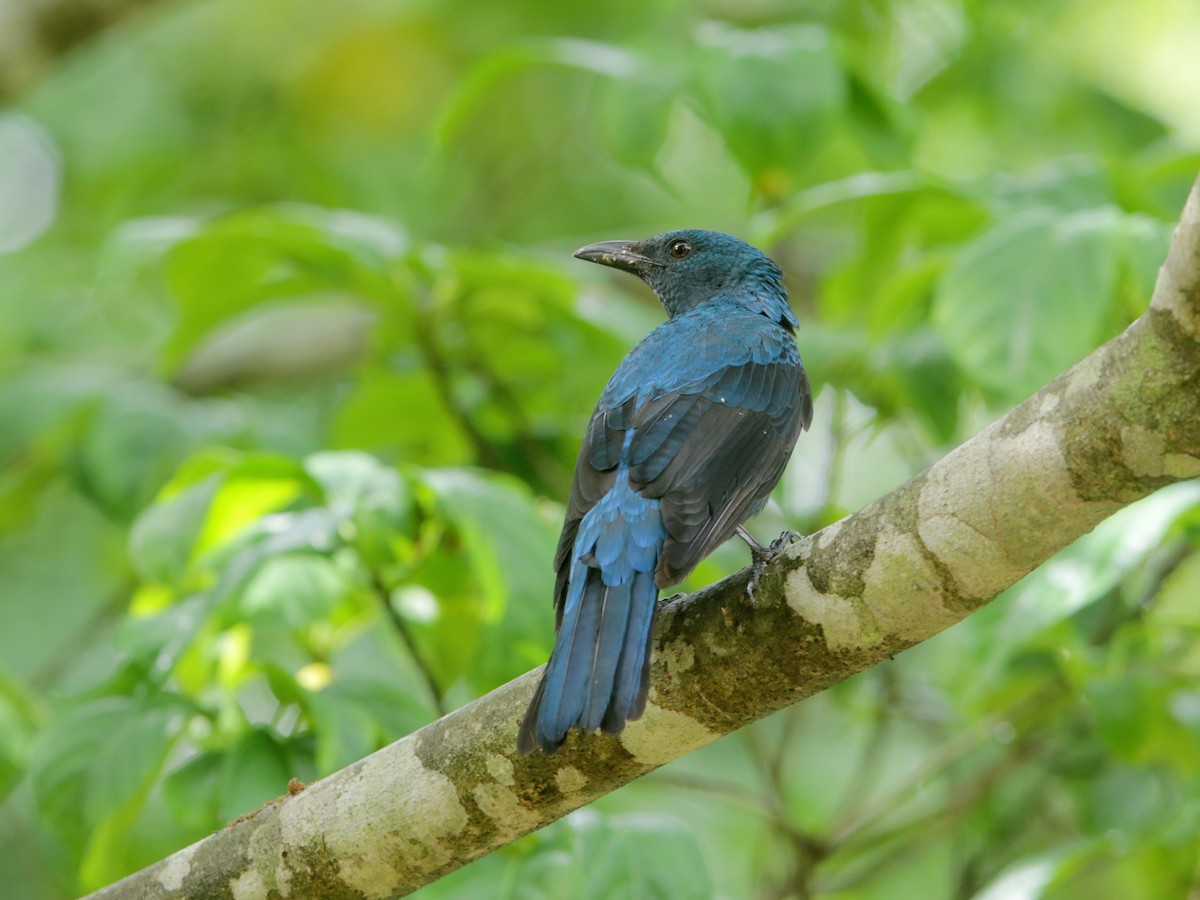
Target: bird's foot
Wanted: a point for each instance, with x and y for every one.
(762, 556)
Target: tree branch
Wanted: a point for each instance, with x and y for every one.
(1121, 424)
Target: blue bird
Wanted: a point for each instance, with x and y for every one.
(688, 439)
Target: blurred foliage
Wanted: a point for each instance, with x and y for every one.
(294, 365)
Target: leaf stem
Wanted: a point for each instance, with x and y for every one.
(406, 636)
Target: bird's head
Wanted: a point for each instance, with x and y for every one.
(689, 268)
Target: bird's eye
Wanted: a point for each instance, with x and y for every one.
(680, 249)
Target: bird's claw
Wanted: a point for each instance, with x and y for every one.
(786, 539)
(762, 556)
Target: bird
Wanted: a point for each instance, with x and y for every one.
(687, 441)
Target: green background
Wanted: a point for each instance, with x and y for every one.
(294, 362)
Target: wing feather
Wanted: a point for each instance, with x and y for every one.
(710, 451)
(721, 455)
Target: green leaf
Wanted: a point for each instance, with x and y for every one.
(426, 434)
(374, 499)
(355, 482)
(285, 252)
(1083, 573)
(490, 73)
(256, 769)
(211, 500)
(130, 755)
(1124, 710)
(164, 534)
(1029, 298)
(157, 640)
(309, 530)
(633, 115)
(1145, 245)
(772, 93)
(642, 855)
(18, 718)
(301, 339)
(192, 791)
(510, 546)
(906, 374)
(254, 485)
(882, 123)
(96, 757)
(132, 442)
(1072, 184)
(355, 717)
(1032, 878)
(442, 607)
(1135, 800)
(1175, 605)
(1093, 565)
(927, 382)
(907, 218)
(298, 588)
(38, 399)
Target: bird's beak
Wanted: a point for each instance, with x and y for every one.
(618, 254)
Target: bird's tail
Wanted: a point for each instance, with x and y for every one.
(598, 674)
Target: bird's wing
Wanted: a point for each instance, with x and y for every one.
(710, 450)
(595, 472)
(711, 453)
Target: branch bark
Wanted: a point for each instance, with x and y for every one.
(36, 33)
(1116, 427)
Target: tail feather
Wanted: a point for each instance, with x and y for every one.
(597, 676)
(527, 739)
(565, 673)
(632, 681)
(614, 623)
